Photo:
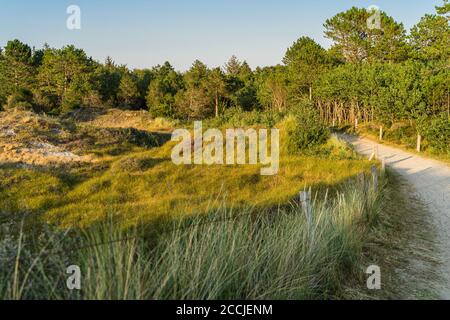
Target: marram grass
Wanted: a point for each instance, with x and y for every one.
(226, 254)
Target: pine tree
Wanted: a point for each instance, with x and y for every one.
(305, 61)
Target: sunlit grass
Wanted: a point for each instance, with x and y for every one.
(143, 185)
(224, 254)
(188, 232)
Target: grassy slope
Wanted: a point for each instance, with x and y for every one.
(258, 256)
(146, 184)
(136, 183)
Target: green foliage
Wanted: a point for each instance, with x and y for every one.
(389, 92)
(16, 70)
(303, 129)
(401, 132)
(238, 86)
(107, 80)
(194, 101)
(64, 76)
(3, 81)
(74, 95)
(128, 90)
(272, 88)
(143, 79)
(18, 51)
(357, 41)
(437, 132)
(217, 89)
(21, 99)
(444, 9)
(162, 91)
(373, 74)
(305, 60)
(430, 38)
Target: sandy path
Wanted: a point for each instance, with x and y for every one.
(430, 180)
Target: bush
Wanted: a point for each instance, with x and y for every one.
(21, 99)
(71, 100)
(402, 132)
(161, 111)
(303, 129)
(436, 131)
(44, 102)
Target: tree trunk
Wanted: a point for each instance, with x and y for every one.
(217, 105)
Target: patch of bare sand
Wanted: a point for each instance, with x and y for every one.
(30, 139)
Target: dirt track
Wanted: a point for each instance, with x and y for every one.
(430, 180)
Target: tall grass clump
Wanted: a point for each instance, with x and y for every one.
(275, 254)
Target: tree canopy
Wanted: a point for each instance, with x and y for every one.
(381, 74)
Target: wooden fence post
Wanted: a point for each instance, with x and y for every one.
(356, 123)
(305, 201)
(419, 143)
(374, 154)
(381, 133)
(375, 177)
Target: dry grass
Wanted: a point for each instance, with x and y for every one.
(115, 118)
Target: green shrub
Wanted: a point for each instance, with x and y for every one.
(21, 99)
(402, 132)
(161, 111)
(120, 137)
(45, 102)
(436, 131)
(303, 129)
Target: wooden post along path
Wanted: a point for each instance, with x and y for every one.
(374, 155)
(375, 177)
(305, 201)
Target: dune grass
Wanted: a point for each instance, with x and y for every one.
(226, 254)
(143, 185)
(141, 227)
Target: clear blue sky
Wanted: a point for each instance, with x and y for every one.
(143, 33)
